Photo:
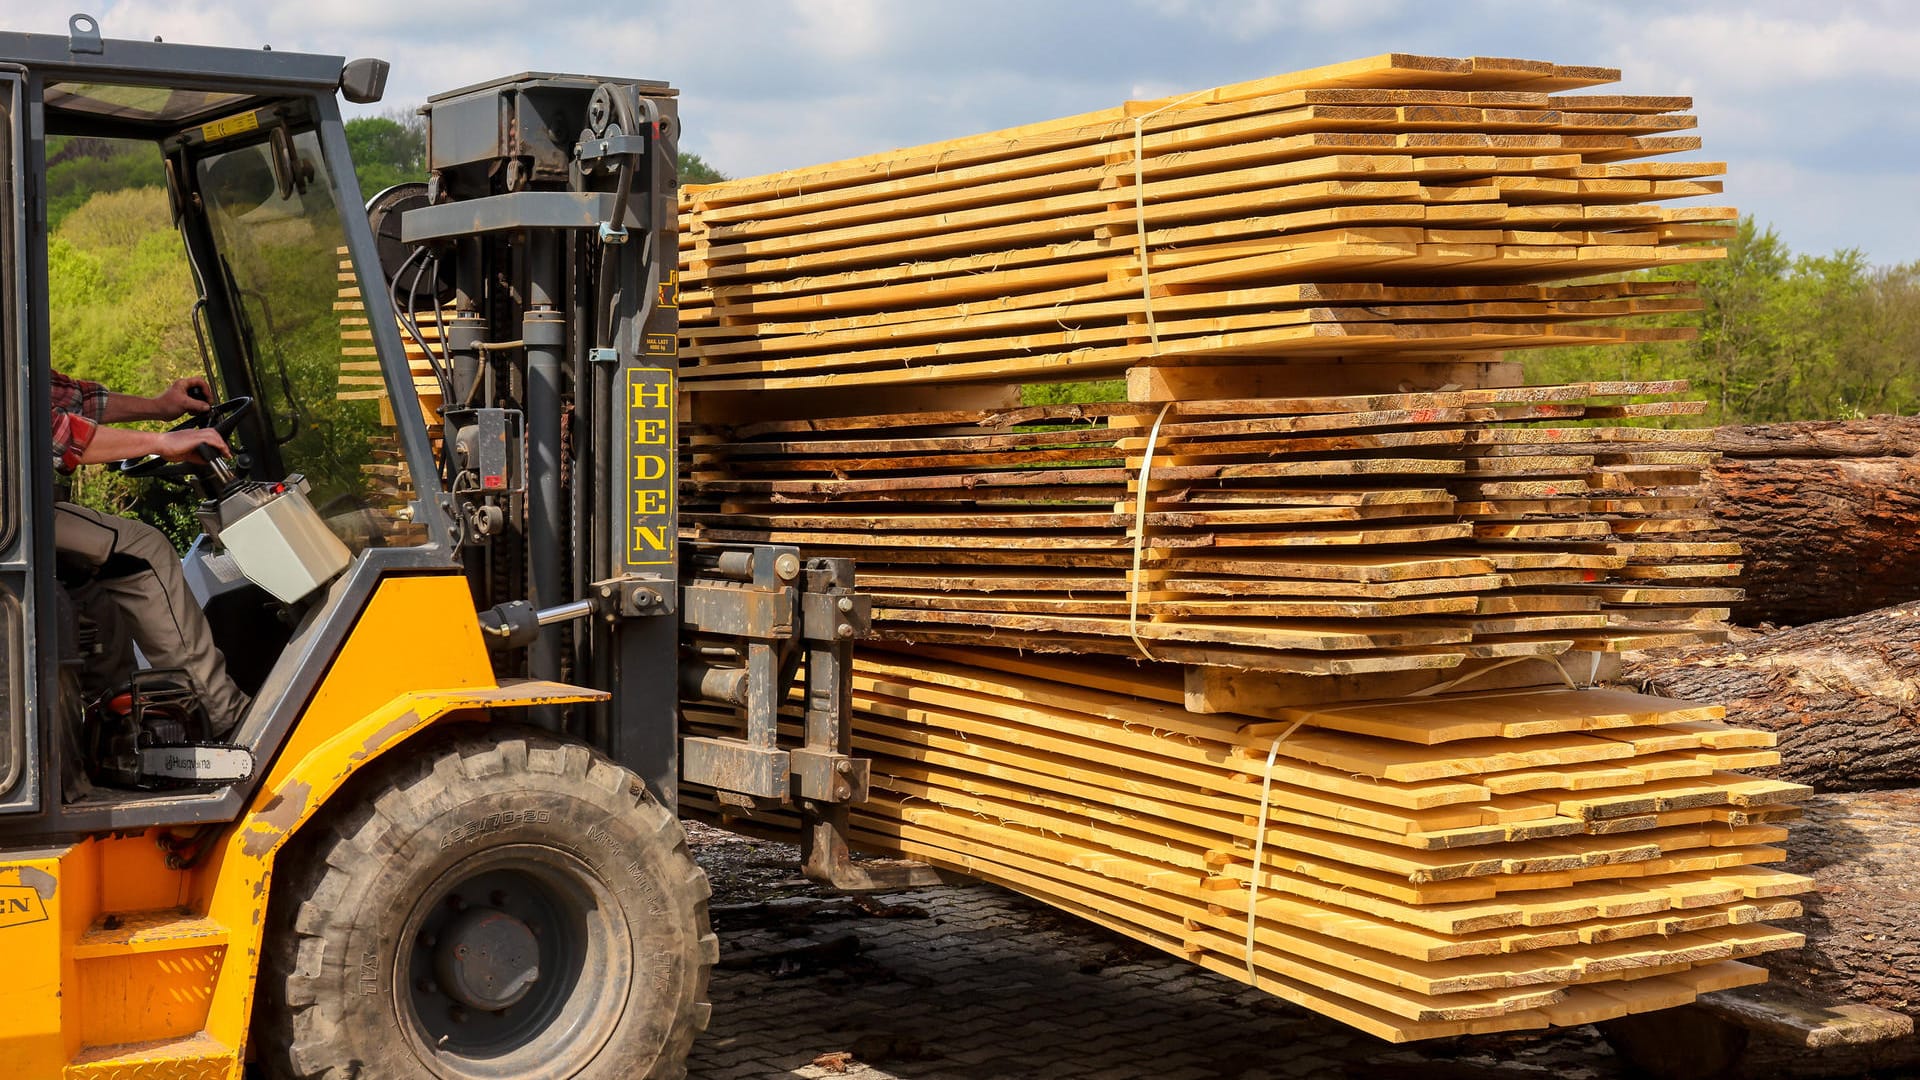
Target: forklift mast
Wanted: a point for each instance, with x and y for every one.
(548, 223)
(549, 217)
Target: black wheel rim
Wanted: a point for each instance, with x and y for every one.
(478, 921)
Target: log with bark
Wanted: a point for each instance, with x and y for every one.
(1842, 695)
(1863, 920)
(1829, 514)
(1862, 925)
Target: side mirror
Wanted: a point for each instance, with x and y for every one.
(363, 81)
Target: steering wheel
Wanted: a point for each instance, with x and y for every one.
(223, 418)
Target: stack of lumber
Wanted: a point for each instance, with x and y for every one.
(1325, 535)
(1324, 468)
(1378, 217)
(360, 379)
(1466, 863)
(1220, 224)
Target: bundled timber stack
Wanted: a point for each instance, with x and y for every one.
(1144, 657)
(1465, 863)
(1178, 228)
(1323, 535)
(1393, 219)
(360, 380)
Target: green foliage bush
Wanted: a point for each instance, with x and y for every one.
(121, 297)
(1781, 337)
(78, 169)
(387, 150)
(1074, 393)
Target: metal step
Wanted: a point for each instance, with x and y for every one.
(128, 933)
(194, 1057)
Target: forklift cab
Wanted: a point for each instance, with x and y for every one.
(322, 495)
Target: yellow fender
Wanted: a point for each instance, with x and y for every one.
(422, 626)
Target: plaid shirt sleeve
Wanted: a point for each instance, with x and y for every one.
(78, 408)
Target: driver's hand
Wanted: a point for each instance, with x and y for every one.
(185, 444)
(176, 400)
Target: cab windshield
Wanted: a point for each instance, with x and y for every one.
(276, 224)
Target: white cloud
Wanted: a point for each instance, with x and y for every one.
(1816, 43)
(843, 29)
(1249, 20)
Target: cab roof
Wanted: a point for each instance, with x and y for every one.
(157, 86)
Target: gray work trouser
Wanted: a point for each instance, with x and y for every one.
(137, 574)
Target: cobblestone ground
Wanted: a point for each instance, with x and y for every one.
(972, 982)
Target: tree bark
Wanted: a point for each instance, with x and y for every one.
(1862, 924)
(1843, 695)
(1863, 921)
(1828, 512)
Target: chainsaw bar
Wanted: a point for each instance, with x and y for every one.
(208, 764)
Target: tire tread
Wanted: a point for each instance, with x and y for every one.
(294, 1032)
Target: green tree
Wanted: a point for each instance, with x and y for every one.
(693, 170)
(1778, 336)
(1742, 355)
(79, 168)
(1875, 358)
(387, 150)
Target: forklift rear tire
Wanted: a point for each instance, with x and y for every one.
(496, 905)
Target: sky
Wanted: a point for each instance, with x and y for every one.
(1815, 107)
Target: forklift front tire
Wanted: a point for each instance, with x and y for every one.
(500, 905)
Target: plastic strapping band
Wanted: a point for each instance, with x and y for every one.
(1441, 688)
(1273, 754)
(1260, 848)
(1140, 212)
(1140, 535)
(1153, 335)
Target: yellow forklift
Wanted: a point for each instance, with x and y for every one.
(442, 840)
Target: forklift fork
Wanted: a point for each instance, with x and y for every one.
(755, 614)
